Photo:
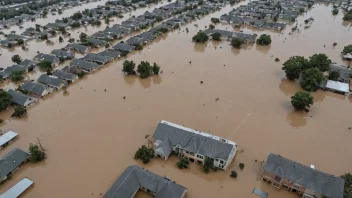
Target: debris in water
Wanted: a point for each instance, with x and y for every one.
(201, 82)
(104, 89)
(349, 128)
(124, 97)
(324, 45)
(146, 136)
(190, 62)
(217, 99)
(255, 160)
(94, 89)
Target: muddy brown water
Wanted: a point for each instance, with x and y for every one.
(91, 135)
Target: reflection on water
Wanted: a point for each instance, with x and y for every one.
(200, 47)
(130, 79)
(146, 83)
(262, 49)
(289, 87)
(297, 118)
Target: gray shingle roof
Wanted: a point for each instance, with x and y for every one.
(50, 80)
(124, 47)
(27, 63)
(11, 160)
(192, 142)
(33, 88)
(312, 179)
(97, 58)
(95, 42)
(62, 53)
(110, 53)
(134, 41)
(13, 68)
(77, 47)
(51, 58)
(20, 98)
(135, 177)
(64, 75)
(84, 64)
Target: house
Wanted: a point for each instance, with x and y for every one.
(7, 138)
(63, 75)
(63, 54)
(15, 37)
(13, 68)
(110, 53)
(11, 162)
(51, 81)
(124, 47)
(135, 178)
(136, 41)
(192, 144)
(20, 98)
(95, 42)
(6, 43)
(95, 58)
(306, 181)
(17, 189)
(47, 57)
(28, 64)
(248, 38)
(77, 47)
(34, 89)
(84, 65)
(337, 86)
(102, 36)
(147, 36)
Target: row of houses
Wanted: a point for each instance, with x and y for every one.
(225, 34)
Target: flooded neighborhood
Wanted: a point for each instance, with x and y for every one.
(192, 99)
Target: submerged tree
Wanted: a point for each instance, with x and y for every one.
(144, 69)
(128, 67)
(17, 75)
(335, 11)
(320, 61)
(16, 59)
(347, 193)
(145, 154)
(237, 43)
(45, 65)
(36, 154)
(294, 66)
(334, 75)
(61, 39)
(208, 165)
(183, 163)
(19, 112)
(216, 36)
(302, 101)
(156, 69)
(264, 39)
(233, 174)
(82, 37)
(5, 100)
(311, 78)
(347, 49)
(200, 37)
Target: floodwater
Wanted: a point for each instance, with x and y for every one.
(91, 135)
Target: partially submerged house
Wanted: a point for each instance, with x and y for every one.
(63, 75)
(336, 86)
(13, 68)
(34, 89)
(84, 65)
(51, 81)
(303, 180)
(47, 57)
(110, 53)
(193, 145)
(63, 54)
(135, 178)
(78, 48)
(95, 58)
(17, 189)
(136, 41)
(123, 47)
(7, 138)
(28, 64)
(11, 162)
(95, 42)
(21, 99)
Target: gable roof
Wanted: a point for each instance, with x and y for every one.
(11, 161)
(62, 53)
(50, 80)
(96, 58)
(110, 53)
(78, 47)
(20, 98)
(48, 57)
(84, 64)
(193, 141)
(134, 41)
(95, 42)
(27, 63)
(135, 177)
(13, 68)
(124, 47)
(64, 75)
(33, 88)
(312, 179)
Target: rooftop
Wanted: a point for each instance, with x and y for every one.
(11, 161)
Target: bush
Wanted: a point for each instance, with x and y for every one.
(233, 174)
(19, 112)
(200, 37)
(237, 43)
(241, 165)
(81, 74)
(156, 69)
(36, 154)
(211, 26)
(82, 36)
(334, 75)
(5, 100)
(301, 101)
(216, 36)
(264, 39)
(208, 165)
(347, 49)
(128, 67)
(158, 18)
(335, 11)
(145, 154)
(311, 78)
(144, 69)
(16, 59)
(348, 185)
(17, 76)
(183, 163)
(45, 65)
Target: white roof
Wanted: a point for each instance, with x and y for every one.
(17, 189)
(7, 137)
(338, 86)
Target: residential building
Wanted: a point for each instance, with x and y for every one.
(135, 178)
(11, 162)
(63, 54)
(7, 138)
(77, 47)
(95, 58)
(63, 75)
(51, 81)
(17, 189)
(34, 89)
(306, 181)
(84, 65)
(47, 57)
(28, 64)
(192, 144)
(21, 99)
(110, 53)
(123, 47)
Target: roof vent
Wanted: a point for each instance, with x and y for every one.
(312, 166)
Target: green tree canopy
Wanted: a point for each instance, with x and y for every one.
(302, 101)
(36, 154)
(347, 193)
(183, 163)
(264, 39)
(347, 49)
(294, 66)
(144, 69)
(128, 67)
(334, 75)
(200, 37)
(45, 65)
(311, 78)
(348, 15)
(145, 154)
(156, 69)
(216, 36)
(5, 100)
(16, 59)
(320, 61)
(211, 26)
(82, 36)
(237, 43)
(17, 75)
(208, 165)
(19, 112)
(335, 11)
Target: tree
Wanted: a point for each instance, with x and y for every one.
(81, 74)
(128, 67)
(16, 59)
(348, 16)
(36, 154)
(208, 165)
(61, 39)
(215, 20)
(156, 69)
(82, 36)
(301, 101)
(158, 18)
(107, 21)
(334, 75)
(216, 36)
(237, 43)
(19, 112)
(320, 61)
(347, 193)
(264, 39)
(71, 40)
(311, 78)
(241, 165)
(233, 174)
(347, 49)
(144, 69)
(17, 75)
(59, 12)
(183, 163)
(301, 10)
(145, 154)
(294, 66)
(45, 65)
(335, 11)
(211, 26)
(200, 37)
(5, 100)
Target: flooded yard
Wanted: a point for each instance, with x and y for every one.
(91, 135)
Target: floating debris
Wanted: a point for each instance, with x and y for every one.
(217, 99)
(124, 97)
(201, 82)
